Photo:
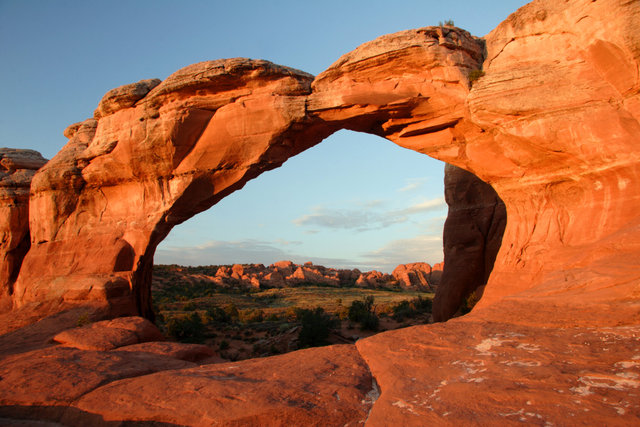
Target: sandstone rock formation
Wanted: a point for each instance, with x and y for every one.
(284, 274)
(110, 334)
(552, 126)
(17, 167)
(471, 237)
(419, 276)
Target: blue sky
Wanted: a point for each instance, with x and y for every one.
(354, 200)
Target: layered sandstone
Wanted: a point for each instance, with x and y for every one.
(552, 126)
(17, 168)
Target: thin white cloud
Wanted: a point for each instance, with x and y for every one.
(426, 248)
(220, 252)
(245, 252)
(413, 184)
(366, 219)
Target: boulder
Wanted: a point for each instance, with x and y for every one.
(110, 334)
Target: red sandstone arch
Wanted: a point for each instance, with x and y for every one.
(553, 126)
(156, 153)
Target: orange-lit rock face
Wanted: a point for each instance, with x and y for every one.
(17, 167)
(158, 153)
(553, 126)
(561, 111)
(149, 161)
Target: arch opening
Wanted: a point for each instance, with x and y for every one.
(402, 210)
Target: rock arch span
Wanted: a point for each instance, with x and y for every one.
(553, 126)
(552, 132)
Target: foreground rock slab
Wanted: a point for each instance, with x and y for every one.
(110, 334)
(474, 373)
(329, 386)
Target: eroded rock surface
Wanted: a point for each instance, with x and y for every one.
(110, 334)
(17, 168)
(552, 126)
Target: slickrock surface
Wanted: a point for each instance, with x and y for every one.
(470, 373)
(553, 126)
(110, 334)
(328, 386)
(17, 168)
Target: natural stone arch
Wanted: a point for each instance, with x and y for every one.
(156, 154)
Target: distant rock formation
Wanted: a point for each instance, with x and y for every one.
(418, 276)
(17, 168)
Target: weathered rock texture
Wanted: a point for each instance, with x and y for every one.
(471, 237)
(17, 167)
(552, 126)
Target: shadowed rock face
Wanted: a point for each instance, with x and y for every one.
(552, 126)
(471, 237)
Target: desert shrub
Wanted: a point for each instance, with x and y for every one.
(469, 302)
(411, 308)
(218, 315)
(251, 316)
(422, 305)
(361, 312)
(403, 310)
(83, 319)
(475, 75)
(447, 23)
(316, 325)
(186, 328)
(232, 311)
(190, 306)
(273, 317)
(291, 314)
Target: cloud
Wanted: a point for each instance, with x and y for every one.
(220, 252)
(366, 219)
(413, 184)
(242, 252)
(426, 206)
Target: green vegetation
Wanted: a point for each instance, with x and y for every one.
(447, 23)
(83, 319)
(469, 302)
(241, 322)
(316, 325)
(475, 75)
(187, 328)
(409, 309)
(362, 312)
